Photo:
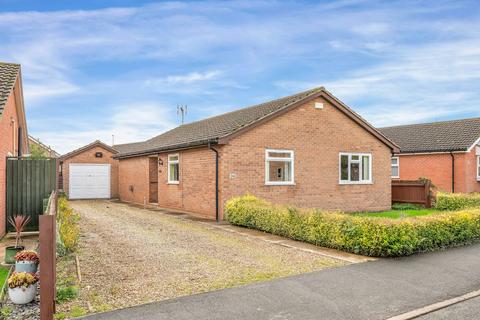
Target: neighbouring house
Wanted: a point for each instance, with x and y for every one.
(447, 152)
(89, 172)
(307, 150)
(37, 146)
(13, 126)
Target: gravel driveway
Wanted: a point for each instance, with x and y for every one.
(130, 256)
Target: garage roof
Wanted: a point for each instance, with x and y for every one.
(96, 143)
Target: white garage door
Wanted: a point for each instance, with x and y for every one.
(89, 181)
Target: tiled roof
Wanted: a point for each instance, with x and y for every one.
(8, 76)
(96, 143)
(212, 129)
(455, 135)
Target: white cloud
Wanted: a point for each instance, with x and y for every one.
(189, 78)
(129, 123)
(193, 77)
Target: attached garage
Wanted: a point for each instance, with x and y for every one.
(89, 181)
(89, 172)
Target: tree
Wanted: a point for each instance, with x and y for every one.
(36, 152)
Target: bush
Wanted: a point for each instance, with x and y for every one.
(457, 201)
(68, 229)
(377, 237)
(66, 293)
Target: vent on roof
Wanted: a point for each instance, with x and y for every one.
(318, 105)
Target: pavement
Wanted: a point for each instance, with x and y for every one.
(372, 290)
(469, 309)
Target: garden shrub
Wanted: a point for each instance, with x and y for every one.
(68, 229)
(457, 201)
(377, 237)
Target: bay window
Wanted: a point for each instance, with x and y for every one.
(279, 167)
(355, 168)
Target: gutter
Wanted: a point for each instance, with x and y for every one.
(177, 147)
(217, 216)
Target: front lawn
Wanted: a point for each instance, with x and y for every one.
(397, 214)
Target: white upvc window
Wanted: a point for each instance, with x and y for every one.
(355, 168)
(279, 167)
(395, 167)
(478, 168)
(173, 168)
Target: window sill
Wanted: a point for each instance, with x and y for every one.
(173, 182)
(279, 184)
(354, 183)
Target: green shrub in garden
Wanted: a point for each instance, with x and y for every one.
(378, 237)
(457, 201)
(68, 228)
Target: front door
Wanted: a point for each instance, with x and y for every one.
(153, 179)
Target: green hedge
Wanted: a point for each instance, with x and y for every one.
(377, 237)
(457, 201)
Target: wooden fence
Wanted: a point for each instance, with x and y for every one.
(47, 241)
(29, 182)
(417, 192)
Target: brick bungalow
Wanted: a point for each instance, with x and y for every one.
(307, 150)
(89, 172)
(447, 152)
(13, 126)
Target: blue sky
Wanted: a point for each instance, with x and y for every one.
(96, 68)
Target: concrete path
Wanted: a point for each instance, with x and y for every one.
(372, 290)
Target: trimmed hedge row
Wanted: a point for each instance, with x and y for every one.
(376, 237)
(457, 201)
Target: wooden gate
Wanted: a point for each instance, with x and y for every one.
(29, 182)
(416, 191)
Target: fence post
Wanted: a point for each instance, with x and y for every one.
(428, 195)
(47, 237)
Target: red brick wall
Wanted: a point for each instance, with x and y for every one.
(438, 168)
(133, 172)
(317, 137)
(6, 148)
(88, 156)
(196, 190)
(471, 182)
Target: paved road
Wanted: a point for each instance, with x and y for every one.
(371, 290)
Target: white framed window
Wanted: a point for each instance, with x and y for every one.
(395, 167)
(478, 168)
(173, 168)
(355, 168)
(279, 167)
